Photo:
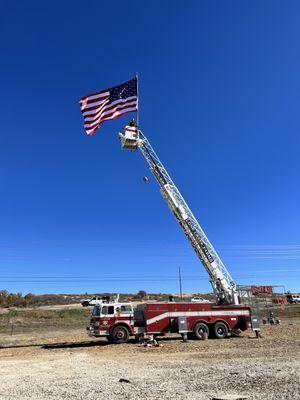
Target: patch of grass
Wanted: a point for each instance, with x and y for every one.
(40, 320)
(73, 314)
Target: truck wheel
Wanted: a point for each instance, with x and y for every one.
(120, 334)
(220, 330)
(201, 331)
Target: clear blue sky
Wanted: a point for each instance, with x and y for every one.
(220, 102)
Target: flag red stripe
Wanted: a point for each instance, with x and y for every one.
(108, 111)
(112, 116)
(94, 94)
(92, 103)
(87, 111)
(93, 117)
(122, 102)
(105, 119)
(111, 105)
(104, 109)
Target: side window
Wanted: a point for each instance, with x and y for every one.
(110, 309)
(107, 310)
(104, 310)
(125, 309)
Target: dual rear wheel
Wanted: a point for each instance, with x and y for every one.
(219, 329)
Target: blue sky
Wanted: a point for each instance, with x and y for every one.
(219, 101)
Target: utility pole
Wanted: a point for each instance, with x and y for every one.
(180, 282)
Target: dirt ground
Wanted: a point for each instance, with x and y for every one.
(63, 365)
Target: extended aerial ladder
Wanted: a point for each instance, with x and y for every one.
(222, 283)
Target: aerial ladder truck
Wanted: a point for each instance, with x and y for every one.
(120, 320)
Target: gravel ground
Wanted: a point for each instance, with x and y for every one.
(267, 368)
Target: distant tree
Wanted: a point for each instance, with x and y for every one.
(4, 294)
(29, 299)
(11, 299)
(141, 294)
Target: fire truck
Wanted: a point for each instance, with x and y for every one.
(117, 321)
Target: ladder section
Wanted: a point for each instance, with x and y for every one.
(220, 279)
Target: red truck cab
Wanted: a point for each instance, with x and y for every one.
(113, 320)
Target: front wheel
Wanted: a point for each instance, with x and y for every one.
(120, 334)
(220, 330)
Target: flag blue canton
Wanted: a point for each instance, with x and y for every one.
(123, 91)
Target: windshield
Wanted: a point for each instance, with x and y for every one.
(96, 311)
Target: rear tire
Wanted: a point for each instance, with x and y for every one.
(120, 334)
(220, 330)
(201, 331)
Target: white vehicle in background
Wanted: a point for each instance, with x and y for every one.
(199, 300)
(96, 300)
(293, 298)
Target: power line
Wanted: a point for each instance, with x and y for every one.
(145, 280)
(141, 276)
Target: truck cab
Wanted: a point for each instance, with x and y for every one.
(113, 320)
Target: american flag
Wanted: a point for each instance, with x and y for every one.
(108, 104)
